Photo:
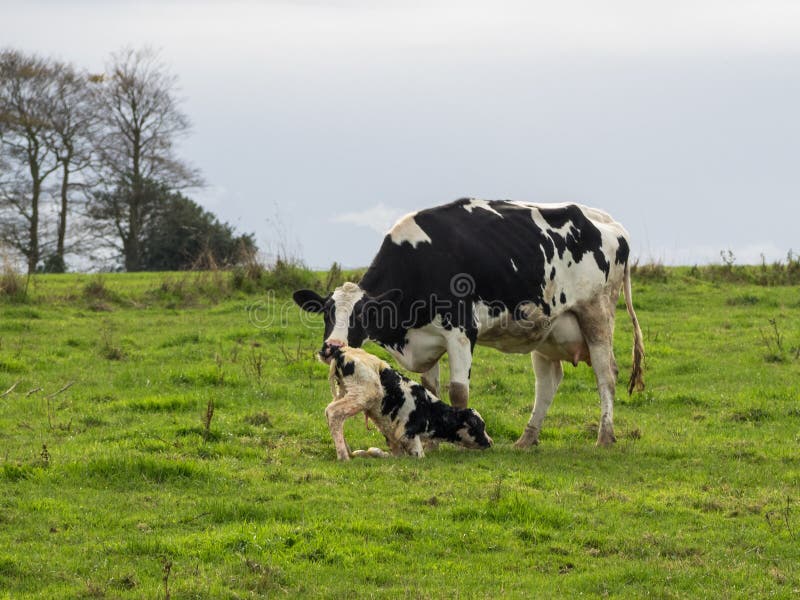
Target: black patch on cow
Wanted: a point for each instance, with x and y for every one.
(583, 236)
(563, 298)
(623, 251)
(552, 273)
(393, 397)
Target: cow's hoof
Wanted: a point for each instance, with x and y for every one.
(606, 440)
(526, 442)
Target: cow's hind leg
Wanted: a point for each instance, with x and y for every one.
(597, 326)
(548, 376)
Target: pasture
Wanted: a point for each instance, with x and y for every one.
(166, 437)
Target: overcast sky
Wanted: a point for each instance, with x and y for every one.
(316, 124)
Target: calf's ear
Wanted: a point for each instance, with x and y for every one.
(309, 300)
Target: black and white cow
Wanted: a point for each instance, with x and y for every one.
(518, 277)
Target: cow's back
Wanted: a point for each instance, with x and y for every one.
(499, 252)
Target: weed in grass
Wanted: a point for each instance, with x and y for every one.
(95, 289)
(781, 518)
(166, 569)
(772, 339)
(750, 415)
(125, 583)
(291, 356)
(207, 417)
(108, 348)
(44, 455)
(255, 366)
(743, 300)
(259, 419)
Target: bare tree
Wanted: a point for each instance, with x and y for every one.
(141, 122)
(72, 131)
(26, 101)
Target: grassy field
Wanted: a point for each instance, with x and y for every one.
(163, 439)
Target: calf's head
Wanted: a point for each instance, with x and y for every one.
(471, 430)
(349, 313)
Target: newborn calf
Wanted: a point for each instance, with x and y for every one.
(404, 411)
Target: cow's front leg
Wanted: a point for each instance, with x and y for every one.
(430, 379)
(337, 412)
(548, 377)
(459, 351)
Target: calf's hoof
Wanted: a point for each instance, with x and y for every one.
(370, 453)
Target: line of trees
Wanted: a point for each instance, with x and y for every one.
(88, 166)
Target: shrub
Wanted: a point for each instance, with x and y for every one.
(286, 276)
(651, 271)
(13, 286)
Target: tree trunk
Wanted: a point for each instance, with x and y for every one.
(33, 243)
(62, 216)
(132, 247)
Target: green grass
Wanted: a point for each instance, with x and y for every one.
(108, 481)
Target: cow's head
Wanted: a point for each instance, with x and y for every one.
(350, 314)
(471, 431)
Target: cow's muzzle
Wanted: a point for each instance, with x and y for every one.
(329, 349)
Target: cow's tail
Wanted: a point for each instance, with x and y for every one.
(636, 381)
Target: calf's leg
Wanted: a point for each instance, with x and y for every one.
(337, 412)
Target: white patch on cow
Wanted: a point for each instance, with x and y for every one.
(513, 266)
(344, 298)
(405, 410)
(424, 346)
(475, 203)
(407, 230)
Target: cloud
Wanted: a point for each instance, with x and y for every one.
(378, 218)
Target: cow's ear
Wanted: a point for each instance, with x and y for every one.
(309, 300)
(391, 297)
